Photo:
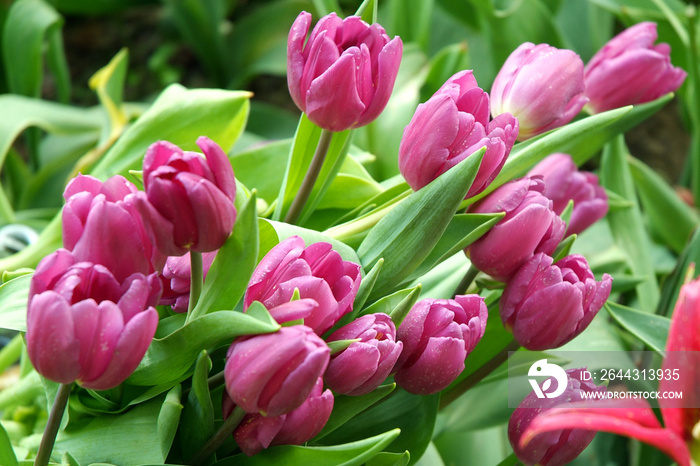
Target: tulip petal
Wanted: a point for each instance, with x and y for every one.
(295, 58)
(98, 328)
(437, 367)
(220, 166)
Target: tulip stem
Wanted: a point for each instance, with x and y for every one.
(466, 281)
(52, 425)
(219, 437)
(478, 375)
(196, 280)
(312, 173)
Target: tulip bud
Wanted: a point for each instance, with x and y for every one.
(100, 223)
(189, 199)
(256, 432)
(273, 374)
(529, 226)
(548, 305)
(343, 76)
(449, 127)
(631, 70)
(554, 448)
(564, 183)
(541, 86)
(84, 325)
(437, 336)
(317, 271)
(365, 364)
(177, 277)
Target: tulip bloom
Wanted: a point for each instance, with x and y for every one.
(563, 183)
(548, 305)
(177, 276)
(317, 271)
(558, 447)
(256, 432)
(530, 226)
(365, 364)
(343, 76)
(100, 224)
(189, 199)
(273, 374)
(634, 417)
(437, 336)
(541, 86)
(449, 127)
(631, 70)
(84, 325)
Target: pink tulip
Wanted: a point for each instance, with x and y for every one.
(273, 374)
(365, 364)
(634, 417)
(100, 225)
(437, 336)
(541, 86)
(564, 183)
(177, 276)
(631, 70)
(546, 305)
(85, 325)
(317, 271)
(188, 203)
(256, 432)
(449, 127)
(343, 76)
(530, 226)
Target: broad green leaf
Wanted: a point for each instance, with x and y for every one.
(431, 457)
(169, 358)
(512, 460)
(7, 454)
(230, 272)
(671, 219)
(414, 415)
(302, 152)
(168, 419)
(272, 233)
(348, 191)
(627, 226)
(407, 234)
(349, 454)
(581, 139)
(401, 310)
(389, 303)
(390, 459)
(29, 24)
(180, 116)
(649, 328)
(13, 303)
(129, 438)
(623, 282)
(368, 11)
(346, 407)
(673, 283)
(462, 231)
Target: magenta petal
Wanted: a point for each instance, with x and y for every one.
(214, 213)
(351, 368)
(437, 367)
(98, 329)
(220, 166)
(51, 344)
(388, 62)
(295, 58)
(256, 432)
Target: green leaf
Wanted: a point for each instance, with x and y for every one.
(346, 407)
(366, 285)
(397, 300)
(272, 233)
(649, 328)
(390, 459)
(447, 62)
(407, 234)
(512, 460)
(168, 419)
(399, 313)
(462, 231)
(198, 414)
(368, 11)
(29, 24)
(128, 438)
(108, 82)
(349, 454)
(303, 148)
(13, 303)
(169, 358)
(233, 266)
(7, 454)
(180, 116)
(671, 219)
(564, 248)
(414, 415)
(627, 226)
(672, 285)
(582, 139)
(411, 20)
